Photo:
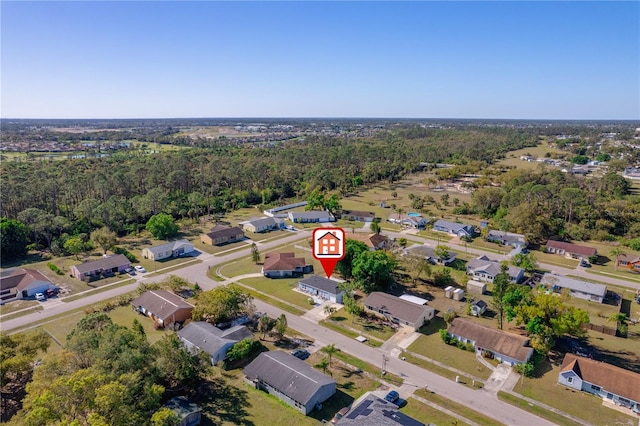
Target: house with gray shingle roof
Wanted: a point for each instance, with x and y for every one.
(20, 283)
(429, 253)
(262, 224)
(311, 217)
(484, 269)
(454, 228)
(106, 265)
(577, 288)
(164, 307)
(507, 238)
(290, 379)
(200, 335)
(321, 288)
(170, 249)
(221, 234)
(398, 310)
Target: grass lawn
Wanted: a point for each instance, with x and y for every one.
(535, 409)
(98, 290)
(342, 318)
(336, 326)
(59, 328)
(239, 267)
(427, 414)
(124, 315)
(442, 371)
(281, 288)
(458, 408)
(278, 304)
(369, 368)
(430, 344)
(544, 388)
(18, 305)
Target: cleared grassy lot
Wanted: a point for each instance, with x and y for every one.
(369, 368)
(536, 409)
(458, 408)
(281, 289)
(427, 414)
(366, 326)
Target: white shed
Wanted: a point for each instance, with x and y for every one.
(476, 287)
(448, 292)
(458, 294)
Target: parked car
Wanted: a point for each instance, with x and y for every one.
(392, 396)
(301, 354)
(140, 269)
(41, 297)
(130, 271)
(340, 414)
(585, 264)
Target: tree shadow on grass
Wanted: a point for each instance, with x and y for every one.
(337, 318)
(332, 406)
(433, 326)
(223, 403)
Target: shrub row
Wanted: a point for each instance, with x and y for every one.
(55, 268)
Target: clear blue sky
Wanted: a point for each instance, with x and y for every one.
(555, 60)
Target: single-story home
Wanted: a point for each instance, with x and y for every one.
(417, 222)
(505, 347)
(615, 384)
(21, 283)
(478, 307)
(429, 253)
(321, 288)
(164, 307)
(629, 262)
(507, 238)
(398, 310)
(458, 229)
(631, 172)
(372, 410)
(373, 241)
(262, 224)
(311, 217)
(200, 335)
(577, 288)
(572, 251)
(358, 215)
(282, 265)
(484, 269)
(164, 251)
(290, 379)
(188, 412)
(221, 234)
(109, 265)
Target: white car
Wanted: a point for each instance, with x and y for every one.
(140, 269)
(41, 297)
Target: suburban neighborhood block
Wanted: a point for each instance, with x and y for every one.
(290, 379)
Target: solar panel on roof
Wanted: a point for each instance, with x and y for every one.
(361, 410)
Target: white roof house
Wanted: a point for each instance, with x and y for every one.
(170, 249)
(577, 288)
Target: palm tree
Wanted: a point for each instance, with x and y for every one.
(621, 322)
(616, 252)
(330, 350)
(324, 364)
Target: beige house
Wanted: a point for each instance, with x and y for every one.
(398, 310)
(164, 307)
(221, 234)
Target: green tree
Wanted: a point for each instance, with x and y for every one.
(161, 226)
(222, 304)
(330, 350)
(105, 238)
(372, 270)
(528, 261)
(175, 366)
(501, 285)
(241, 350)
(255, 253)
(353, 249)
(265, 325)
(442, 251)
(375, 227)
(280, 327)
(416, 266)
(620, 319)
(73, 246)
(14, 237)
(332, 204)
(165, 417)
(315, 200)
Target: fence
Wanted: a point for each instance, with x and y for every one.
(601, 329)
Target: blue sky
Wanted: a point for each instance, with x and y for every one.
(555, 60)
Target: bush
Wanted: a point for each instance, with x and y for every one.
(525, 369)
(445, 336)
(55, 268)
(121, 250)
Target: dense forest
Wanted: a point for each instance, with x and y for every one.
(123, 190)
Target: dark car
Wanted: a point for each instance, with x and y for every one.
(301, 354)
(340, 414)
(392, 396)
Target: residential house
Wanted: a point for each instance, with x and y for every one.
(290, 379)
(164, 307)
(458, 229)
(572, 251)
(372, 411)
(200, 335)
(373, 241)
(631, 173)
(262, 224)
(398, 310)
(281, 265)
(22, 283)
(505, 347)
(430, 254)
(417, 222)
(311, 217)
(577, 288)
(165, 251)
(507, 239)
(478, 307)
(358, 215)
(275, 212)
(105, 266)
(611, 383)
(188, 412)
(629, 262)
(484, 269)
(221, 234)
(321, 288)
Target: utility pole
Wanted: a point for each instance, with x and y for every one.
(384, 365)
